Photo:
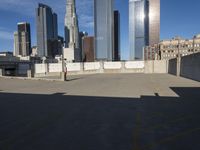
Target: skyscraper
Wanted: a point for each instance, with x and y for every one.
(116, 49)
(71, 25)
(144, 26)
(47, 31)
(154, 22)
(72, 32)
(22, 40)
(104, 28)
(81, 36)
(88, 48)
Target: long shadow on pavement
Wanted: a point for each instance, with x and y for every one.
(59, 122)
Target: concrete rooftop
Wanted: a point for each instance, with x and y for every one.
(100, 112)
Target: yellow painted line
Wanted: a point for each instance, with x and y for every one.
(136, 136)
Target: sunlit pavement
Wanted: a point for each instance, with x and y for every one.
(100, 112)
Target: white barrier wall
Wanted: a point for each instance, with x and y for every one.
(112, 65)
(55, 67)
(92, 66)
(40, 68)
(134, 65)
(73, 66)
(105, 67)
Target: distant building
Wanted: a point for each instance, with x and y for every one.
(116, 50)
(60, 45)
(34, 51)
(88, 49)
(6, 54)
(169, 49)
(144, 26)
(104, 28)
(81, 36)
(72, 30)
(47, 31)
(151, 52)
(22, 40)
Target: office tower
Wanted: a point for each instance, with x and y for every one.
(71, 25)
(22, 40)
(144, 26)
(104, 28)
(72, 31)
(116, 50)
(47, 31)
(88, 48)
(154, 22)
(60, 45)
(81, 36)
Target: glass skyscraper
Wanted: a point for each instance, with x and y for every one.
(144, 26)
(47, 31)
(104, 29)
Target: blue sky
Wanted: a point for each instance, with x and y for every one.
(178, 17)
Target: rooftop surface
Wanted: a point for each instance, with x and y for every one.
(100, 112)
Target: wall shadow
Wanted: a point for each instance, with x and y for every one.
(49, 122)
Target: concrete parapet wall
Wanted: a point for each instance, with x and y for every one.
(190, 67)
(112, 65)
(172, 69)
(55, 67)
(134, 64)
(73, 67)
(104, 67)
(187, 66)
(40, 68)
(156, 66)
(92, 66)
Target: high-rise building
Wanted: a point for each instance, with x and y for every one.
(104, 28)
(144, 26)
(47, 31)
(72, 30)
(154, 21)
(71, 25)
(81, 36)
(22, 40)
(88, 48)
(116, 50)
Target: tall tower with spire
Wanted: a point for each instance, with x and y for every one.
(71, 26)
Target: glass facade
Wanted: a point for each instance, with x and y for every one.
(154, 22)
(47, 32)
(144, 26)
(104, 29)
(138, 28)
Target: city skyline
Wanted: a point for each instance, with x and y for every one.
(182, 26)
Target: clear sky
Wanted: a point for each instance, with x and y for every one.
(178, 17)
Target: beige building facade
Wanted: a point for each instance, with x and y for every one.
(169, 49)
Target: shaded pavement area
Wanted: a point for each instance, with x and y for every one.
(72, 122)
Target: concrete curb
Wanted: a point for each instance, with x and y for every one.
(33, 79)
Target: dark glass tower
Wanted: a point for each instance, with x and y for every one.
(104, 28)
(47, 31)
